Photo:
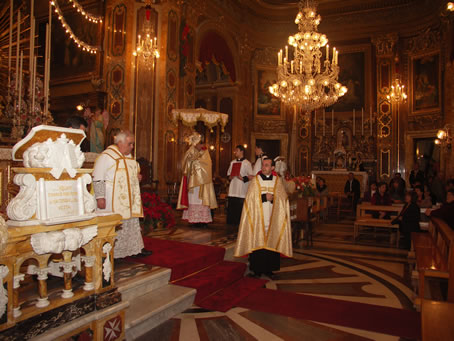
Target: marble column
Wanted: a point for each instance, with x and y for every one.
(16, 286)
(89, 263)
(43, 301)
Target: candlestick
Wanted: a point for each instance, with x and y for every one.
(32, 44)
(332, 122)
(315, 122)
(324, 113)
(353, 122)
(362, 121)
(17, 47)
(35, 61)
(46, 65)
(19, 96)
(11, 14)
(370, 121)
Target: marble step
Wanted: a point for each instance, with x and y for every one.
(153, 308)
(140, 284)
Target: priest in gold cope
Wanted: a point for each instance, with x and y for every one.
(265, 230)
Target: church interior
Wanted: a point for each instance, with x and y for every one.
(327, 89)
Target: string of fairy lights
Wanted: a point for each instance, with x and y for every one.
(81, 44)
(90, 17)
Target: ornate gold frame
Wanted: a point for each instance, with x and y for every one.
(411, 95)
(281, 115)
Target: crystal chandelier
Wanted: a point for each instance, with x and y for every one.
(308, 81)
(147, 47)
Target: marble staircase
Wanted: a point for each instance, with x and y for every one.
(152, 300)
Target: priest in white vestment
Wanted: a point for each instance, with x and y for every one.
(265, 227)
(116, 184)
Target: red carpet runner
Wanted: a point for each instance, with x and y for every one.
(220, 284)
(392, 321)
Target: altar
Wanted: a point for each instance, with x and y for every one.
(335, 180)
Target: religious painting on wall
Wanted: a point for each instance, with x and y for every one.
(354, 64)
(425, 71)
(266, 105)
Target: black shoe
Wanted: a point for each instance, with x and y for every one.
(254, 274)
(271, 276)
(144, 253)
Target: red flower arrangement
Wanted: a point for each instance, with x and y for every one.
(304, 185)
(154, 211)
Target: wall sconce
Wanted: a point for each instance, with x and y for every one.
(444, 137)
(211, 147)
(450, 6)
(245, 146)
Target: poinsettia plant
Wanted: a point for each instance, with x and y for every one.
(304, 186)
(156, 211)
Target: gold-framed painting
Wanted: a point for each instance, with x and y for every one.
(426, 83)
(265, 104)
(355, 74)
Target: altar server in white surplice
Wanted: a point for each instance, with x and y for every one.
(239, 173)
(116, 184)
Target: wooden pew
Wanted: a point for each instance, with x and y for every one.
(364, 219)
(303, 216)
(434, 255)
(436, 321)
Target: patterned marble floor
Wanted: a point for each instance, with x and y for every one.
(335, 267)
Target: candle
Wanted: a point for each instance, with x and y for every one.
(362, 121)
(286, 52)
(315, 122)
(278, 58)
(324, 112)
(32, 44)
(35, 61)
(332, 122)
(19, 96)
(301, 66)
(17, 48)
(327, 52)
(334, 55)
(291, 66)
(370, 121)
(11, 14)
(353, 122)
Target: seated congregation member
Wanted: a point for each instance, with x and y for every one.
(381, 198)
(396, 193)
(322, 192)
(416, 175)
(352, 189)
(422, 200)
(401, 183)
(239, 172)
(446, 211)
(265, 227)
(78, 122)
(370, 193)
(428, 194)
(408, 218)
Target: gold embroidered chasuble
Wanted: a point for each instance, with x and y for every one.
(252, 234)
(126, 199)
(198, 173)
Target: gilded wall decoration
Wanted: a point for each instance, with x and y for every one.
(430, 39)
(117, 35)
(116, 91)
(172, 36)
(384, 119)
(266, 56)
(277, 126)
(425, 121)
(426, 83)
(384, 45)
